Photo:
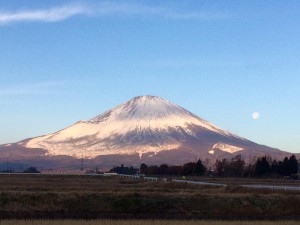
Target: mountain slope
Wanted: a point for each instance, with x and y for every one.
(143, 124)
(146, 128)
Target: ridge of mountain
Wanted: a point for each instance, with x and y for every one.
(145, 128)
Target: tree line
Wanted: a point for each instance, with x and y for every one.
(266, 166)
(235, 167)
(124, 170)
(27, 170)
(191, 168)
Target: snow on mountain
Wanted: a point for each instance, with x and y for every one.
(142, 125)
(227, 148)
(146, 129)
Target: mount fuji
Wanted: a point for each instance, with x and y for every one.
(146, 129)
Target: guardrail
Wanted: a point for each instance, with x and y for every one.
(151, 178)
(197, 182)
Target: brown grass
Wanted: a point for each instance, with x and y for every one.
(82, 197)
(93, 184)
(239, 181)
(142, 222)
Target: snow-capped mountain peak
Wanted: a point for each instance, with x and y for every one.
(141, 108)
(146, 129)
(152, 112)
(143, 124)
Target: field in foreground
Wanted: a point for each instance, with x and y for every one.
(94, 197)
(142, 222)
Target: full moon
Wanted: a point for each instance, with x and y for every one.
(255, 115)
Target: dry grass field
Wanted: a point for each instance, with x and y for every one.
(239, 181)
(142, 222)
(94, 197)
(95, 184)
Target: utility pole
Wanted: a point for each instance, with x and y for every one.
(81, 167)
(21, 166)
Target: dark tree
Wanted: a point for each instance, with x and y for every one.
(153, 170)
(249, 170)
(31, 170)
(281, 168)
(124, 170)
(285, 167)
(164, 169)
(293, 165)
(143, 168)
(175, 170)
(200, 168)
(220, 166)
(274, 167)
(189, 168)
(235, 168)
(262, 167)
(288, 166)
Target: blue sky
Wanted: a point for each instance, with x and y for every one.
(63, 61)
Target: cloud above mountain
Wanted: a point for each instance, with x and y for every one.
(64, 12)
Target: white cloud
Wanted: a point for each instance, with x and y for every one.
(44, 15)
(60, 13)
